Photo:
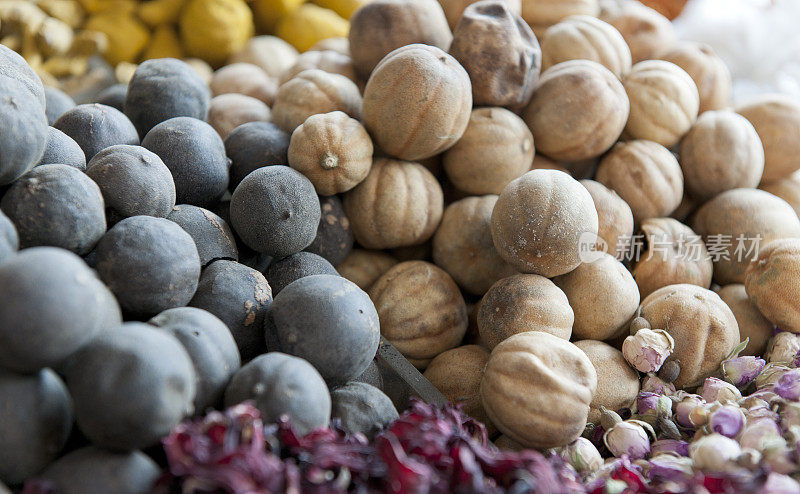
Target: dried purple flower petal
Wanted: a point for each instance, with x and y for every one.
(727, 420)
(741, 371)
(718, 390)
(788, 385)
(647, 350)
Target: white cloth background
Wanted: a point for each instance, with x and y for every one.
(758, 39)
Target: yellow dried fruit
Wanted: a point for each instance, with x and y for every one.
(67, 11)
(127, 36)
(215, 29)
(269, 12)
(164, 44)
(309, 24)
(344, 8)
(87, 43)
(158, 12)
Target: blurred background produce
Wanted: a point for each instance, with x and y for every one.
(68, 41)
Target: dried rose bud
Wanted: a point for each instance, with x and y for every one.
(654, 384)
(653, 405)
(770, 374)
(766, 397)
(790, 416)
(741, 371)
(749, 402)
(788, 385)
(762, 412)
(714, 453)
(685, 407)
(629, 438)
(670, 446)
(760, 434)
(778, 483)
(727, 420)
(582, 455)
(647, 350)
(718, 390)
(784, 347)
(669, 371)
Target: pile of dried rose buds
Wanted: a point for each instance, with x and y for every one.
(738, 432)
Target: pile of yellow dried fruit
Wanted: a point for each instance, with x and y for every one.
(57, 37)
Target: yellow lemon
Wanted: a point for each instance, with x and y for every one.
(269, 12)
(344, 8)
(158, 12)
(164, 43)
(309, 24)
(214, 29)
(127, 36)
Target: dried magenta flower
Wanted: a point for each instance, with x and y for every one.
(741, 371)
(647, 350)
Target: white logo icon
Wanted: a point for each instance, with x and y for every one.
(591, 247)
